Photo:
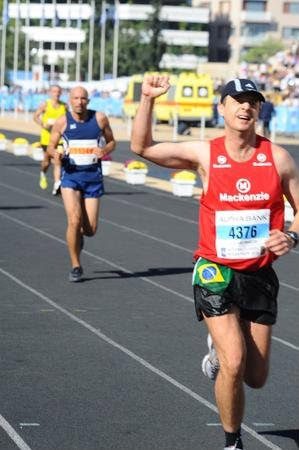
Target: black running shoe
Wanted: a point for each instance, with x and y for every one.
(76, 274)
(238, 445)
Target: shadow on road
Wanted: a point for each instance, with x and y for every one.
(290, 434)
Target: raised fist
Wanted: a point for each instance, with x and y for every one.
(155, 85)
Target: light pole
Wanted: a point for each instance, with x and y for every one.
(27, 41)
(3, 41)
(91, 41)
(16, 43)
(78, 51)
(67, 44)
(103, 37)
(115, 39)
(53, 58)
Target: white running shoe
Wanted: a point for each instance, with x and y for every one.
(210, 363)
(233, 448)
(56, 188)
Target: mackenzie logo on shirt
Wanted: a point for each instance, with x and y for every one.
(222, 163)
(261, 161)
(243, 186)
(260, 196)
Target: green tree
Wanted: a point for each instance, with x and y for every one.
(263, 52)
(156, 44)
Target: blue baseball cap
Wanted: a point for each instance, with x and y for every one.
(239, 86)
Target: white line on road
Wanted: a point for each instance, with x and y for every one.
(148, 236)
(13, 434)
(24, 424)
(261, 424)
(99, 258)
(289, 286)
(123, 269)
(288, 344)
(135, 357)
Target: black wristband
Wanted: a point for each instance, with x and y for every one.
(294, 236)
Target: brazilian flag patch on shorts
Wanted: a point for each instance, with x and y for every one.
(212, 276)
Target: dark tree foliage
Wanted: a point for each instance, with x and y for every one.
(157, 46)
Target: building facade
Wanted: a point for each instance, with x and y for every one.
(237, 25)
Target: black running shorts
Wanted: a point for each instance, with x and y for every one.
(254, 293)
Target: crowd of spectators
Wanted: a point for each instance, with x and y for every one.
(280, 75)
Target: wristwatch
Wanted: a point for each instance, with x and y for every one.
(294, 236)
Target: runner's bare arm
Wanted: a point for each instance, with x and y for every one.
(37, 116)
(183, 155)
(289, 174)
(278, 242)
(104, 124)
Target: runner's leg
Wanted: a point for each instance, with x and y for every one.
(45, 162)
(72, 204)
(229, 342)
(90, 211)
(258, 343)
(57, 170)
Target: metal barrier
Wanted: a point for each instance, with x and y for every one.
(286, 120)
(30, 102)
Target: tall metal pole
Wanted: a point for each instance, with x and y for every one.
(103, 37)
(27, 41)
(3, 41)
(41, 24)
(115, 39)
(91, 41)
(78, 53)
(67, 44)
(52, 65)
(16, 43)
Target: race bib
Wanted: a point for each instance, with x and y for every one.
(241, 234)
(81, 152)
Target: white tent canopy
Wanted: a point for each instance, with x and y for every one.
(73, 11)
(57, 34)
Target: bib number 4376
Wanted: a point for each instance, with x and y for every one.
(245, 232)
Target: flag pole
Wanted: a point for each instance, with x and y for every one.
(91, 41)
(41, 24)
(3, 41)
(16, 43)
(27, 42)
(78, 46)
(103, 35)
(115, 39)
(52, 58)
(67, 44)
